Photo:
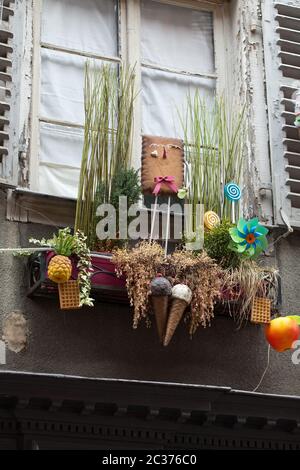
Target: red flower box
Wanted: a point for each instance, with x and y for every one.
(105, 283)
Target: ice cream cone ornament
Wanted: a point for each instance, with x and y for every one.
(161, 290)
(181, 298)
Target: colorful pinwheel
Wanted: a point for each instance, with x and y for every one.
(248, 237)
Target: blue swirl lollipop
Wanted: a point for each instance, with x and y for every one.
(233, 193)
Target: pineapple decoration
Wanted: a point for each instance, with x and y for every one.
(59, 269)
(60, 266)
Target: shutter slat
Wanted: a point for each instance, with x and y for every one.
(292, 144)
(290, 71)
(288, 90)
(288, 22)
(291, 131)
(294, 171)
(289, 34)
(295, 199)
(4, 135)
(289, 46)
(3, 150)
(4, 121)
(7, 12)
(287, 9)
(5, 34)
(288, 104)
(292, 157)
(5, 77)
(290, 58)
(289, 117)
(5, 62)
(294, 185)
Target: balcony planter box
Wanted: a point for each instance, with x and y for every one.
(105, 284)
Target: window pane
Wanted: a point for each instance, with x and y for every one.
(62, 84)
(60, 159)
(89, 25)
(164, 97)
(61, 182)
(61, 145)
(177, 37)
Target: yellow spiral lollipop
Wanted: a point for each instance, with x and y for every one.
(211, 220)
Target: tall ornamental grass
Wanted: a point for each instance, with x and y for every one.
(109, 96)
(214, 140)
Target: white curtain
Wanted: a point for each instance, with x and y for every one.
(87, 26)
(179, 38)
(164, 98)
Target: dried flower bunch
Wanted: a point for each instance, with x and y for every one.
(244, 283)
(203, 276)
(198, 271)
(140, 266)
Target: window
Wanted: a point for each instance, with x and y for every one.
(176, 47)
(177, 57)
(67, 33)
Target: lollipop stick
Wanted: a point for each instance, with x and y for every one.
(153, 219)
(233, 212)
(168, 225)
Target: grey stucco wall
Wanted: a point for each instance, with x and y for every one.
(100, 342)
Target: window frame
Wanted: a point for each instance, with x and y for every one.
(129, 39)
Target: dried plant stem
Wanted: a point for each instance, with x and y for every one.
(214, 148)
(108, 102)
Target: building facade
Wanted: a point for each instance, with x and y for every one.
(250, 52)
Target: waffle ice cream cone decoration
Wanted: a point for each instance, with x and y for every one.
(160, 292)
(181, 298)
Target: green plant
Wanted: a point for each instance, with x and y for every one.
(216, 244)
(66, 244)
(108, 101)
(214, 142)
(125, 183)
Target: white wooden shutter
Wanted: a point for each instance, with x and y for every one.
(7, 174)
(281, 29)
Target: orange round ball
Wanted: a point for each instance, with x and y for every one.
(281, 333)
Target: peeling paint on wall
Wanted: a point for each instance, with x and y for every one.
(248, 88)
(15, 331)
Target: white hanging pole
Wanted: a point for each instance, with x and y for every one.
(233, 212)
(153, 219)
(24, 250)
(168, 226)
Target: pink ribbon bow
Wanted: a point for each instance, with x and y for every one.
(168, 180)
